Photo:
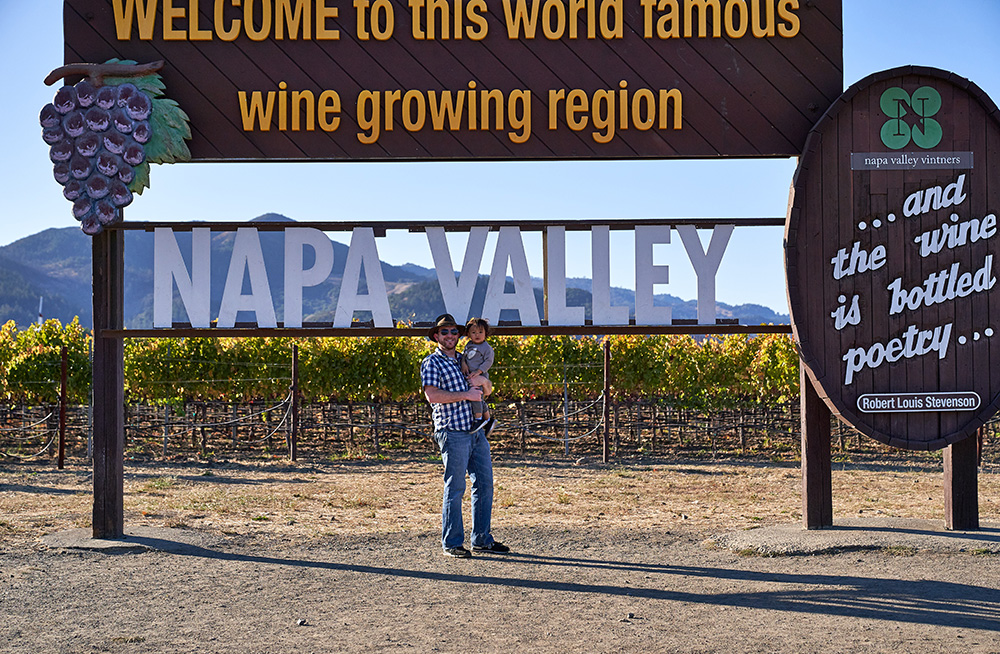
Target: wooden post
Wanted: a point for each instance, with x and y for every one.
(294, 435)
(108, 385)
(235, 423)
(522, 429)
(545, 272)
(166, 429)
(817, 485)
(63, 374)
(961, 491)
(565, 411)
(607, 400)
(202, 411)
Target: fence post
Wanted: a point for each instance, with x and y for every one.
(376, 420)
(64, 355)
(294, 434)
(656, 417)
(166, 428)
(90, 406)
(523, 429)
(606, 417)
(203, 441)
(235, 427)
(565, 411)
(350, 421)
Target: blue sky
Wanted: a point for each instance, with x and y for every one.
(959, 36)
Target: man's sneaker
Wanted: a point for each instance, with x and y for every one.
(457, 552)
(490, 426)
(480, 424)
(496, 548)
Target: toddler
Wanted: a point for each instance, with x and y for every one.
(477, 358)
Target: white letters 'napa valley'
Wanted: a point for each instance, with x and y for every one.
(297, 278)
(169, 267)
(457, 294)
(555, 281)
(193, 282)
(510, 250)
(706, 265)
(247, 257)
(363, 252)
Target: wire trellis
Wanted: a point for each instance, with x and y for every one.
(52, 433)
(190, 426)
(6, 430)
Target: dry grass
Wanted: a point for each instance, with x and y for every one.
(317, 500)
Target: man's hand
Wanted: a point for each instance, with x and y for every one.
(435, 395)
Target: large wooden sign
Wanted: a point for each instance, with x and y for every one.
(892, 256)
(479, 79)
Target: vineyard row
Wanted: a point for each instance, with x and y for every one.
(711, 374)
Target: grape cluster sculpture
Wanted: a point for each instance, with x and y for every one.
(105, 130)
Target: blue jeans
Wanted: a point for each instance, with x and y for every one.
(465, 452)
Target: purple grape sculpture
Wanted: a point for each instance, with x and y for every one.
(104, 131)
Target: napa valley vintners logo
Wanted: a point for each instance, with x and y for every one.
(910, 118)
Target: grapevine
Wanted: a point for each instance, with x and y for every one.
(104, 131)
(731, 373)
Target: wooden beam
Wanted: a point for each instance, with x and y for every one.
(499, 330)
(817, 484)
(382, 227)
(961, 485)
(108, 386)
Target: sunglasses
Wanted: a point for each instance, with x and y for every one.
(448, 331)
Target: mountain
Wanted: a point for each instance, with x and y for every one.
(55, 265)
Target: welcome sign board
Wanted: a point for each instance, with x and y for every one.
(479, 79)
(892, 257)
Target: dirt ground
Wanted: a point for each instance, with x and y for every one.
(345, 556)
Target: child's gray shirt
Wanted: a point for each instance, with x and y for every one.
(479, 356)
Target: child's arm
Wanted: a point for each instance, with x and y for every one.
(477, 380)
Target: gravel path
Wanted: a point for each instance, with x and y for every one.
(674, 556)
(592, 591)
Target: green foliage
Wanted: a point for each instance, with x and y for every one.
(31, 362)
(170, 130)
(637, 364)
(169, 126)
(731, 372)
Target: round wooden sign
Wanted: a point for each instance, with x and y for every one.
(891, 257)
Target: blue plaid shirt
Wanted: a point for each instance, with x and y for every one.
(445, 373)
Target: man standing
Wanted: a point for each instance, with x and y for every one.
(462, 451)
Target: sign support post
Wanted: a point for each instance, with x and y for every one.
(108, 385)
(817, 482)
(961, 485)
